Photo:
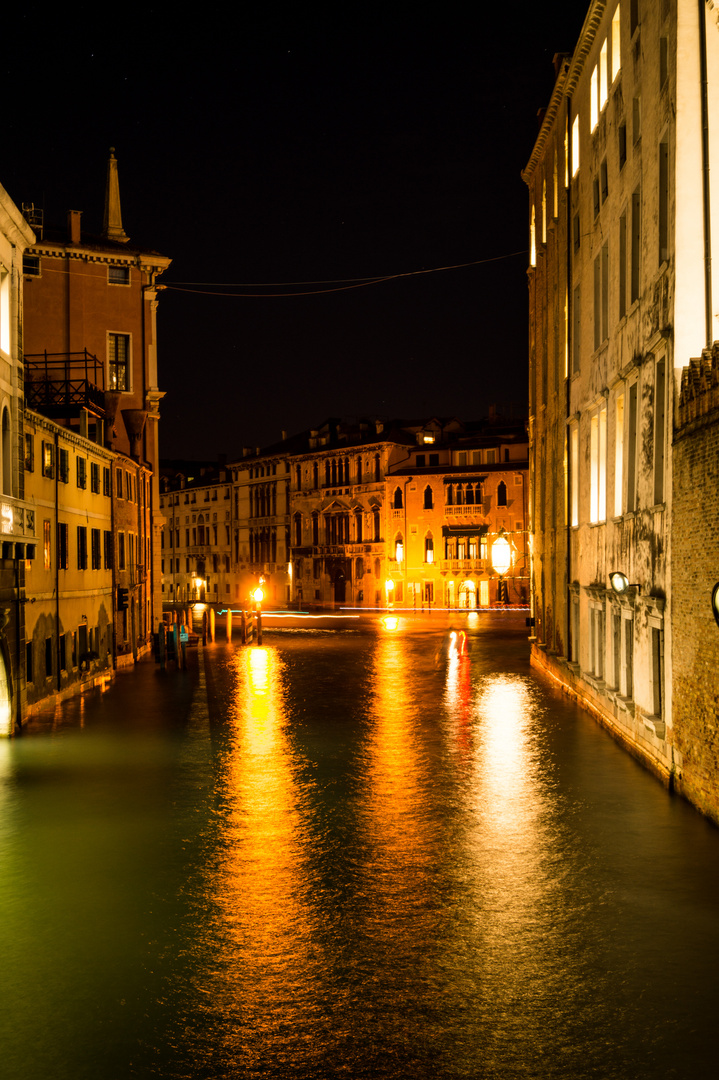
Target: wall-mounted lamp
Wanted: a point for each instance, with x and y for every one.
(620, 582)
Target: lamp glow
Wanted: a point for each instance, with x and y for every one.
(258, 596)
(501, 555)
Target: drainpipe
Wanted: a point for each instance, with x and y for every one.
(113, 599)
(705, 173)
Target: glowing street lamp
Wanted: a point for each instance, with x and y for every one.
(389, 589)
(501, 561)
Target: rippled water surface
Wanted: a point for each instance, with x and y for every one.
(349, 854)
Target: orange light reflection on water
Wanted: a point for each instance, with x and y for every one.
(259, 890)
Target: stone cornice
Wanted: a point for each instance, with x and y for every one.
(145, 261)
(550, 116)
(13, 224)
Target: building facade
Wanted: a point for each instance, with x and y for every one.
(196, 539)
(18, 525)
(90, 340)
(623, 202)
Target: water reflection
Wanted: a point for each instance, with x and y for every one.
(259, 932)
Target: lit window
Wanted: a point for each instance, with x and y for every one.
(429, 549)
(399, 549)
(594, 100)
(4, 310)
(575, 146)
(118, 359)
(532, 241)
(598, 440)
(616, 44)
(603, 77)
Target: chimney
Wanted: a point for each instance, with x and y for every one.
(73, 226)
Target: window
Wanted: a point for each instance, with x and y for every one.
(636, 119)
(62, 546)
(31, 265)
(601, 296)
(598, 453)
(82, 547)
(604, 181)
(107, 549)
(544, 211)
(118, 275)
(118, 483)
(46, 545)
(659, 430)
(632, 450)
(576, 232)
(433, 459)
(95, 549)
(397, 500)
(121, 552)
(636, 239)
(594, 100)
(106, 488)
(81, 463)
(420, 461)
(595, 195)
(4, 310)
(633, 16)
(399, 548)
(576, 329)
(622, 138)
(119, 361)
(616, 43)
(622, 266)
(501, 493)
(574, 462)
(663, 201)
(428, 502)
(603, 76)
(575, 146)
(657, 668)
(29, 451)
(48, 460)
(128, 486)
(618, 455)
(63, 465)
(95, 477)
(532, 240)
(428, 549)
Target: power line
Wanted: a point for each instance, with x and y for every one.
(334, 285)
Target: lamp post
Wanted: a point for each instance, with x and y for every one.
(501, 560)
(258, 596)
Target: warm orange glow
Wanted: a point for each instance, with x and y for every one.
(389, 585)
(391, 622)
(258, 596)
(501, 555)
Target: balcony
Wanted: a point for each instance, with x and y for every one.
(465, 511)
(60, 385)
(463, 565)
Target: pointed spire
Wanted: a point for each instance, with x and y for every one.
(112, 226)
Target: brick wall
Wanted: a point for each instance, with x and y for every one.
(695, 571)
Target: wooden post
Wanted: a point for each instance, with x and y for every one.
(259, 626)
(229, 625)
(243, 625)
(212, 624)
(163, 647)
(204, 626)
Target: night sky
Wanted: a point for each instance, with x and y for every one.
(301, 145)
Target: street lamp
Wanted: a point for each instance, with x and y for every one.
(620, 582)
(389, 589)
(501, 561)
(258, 596)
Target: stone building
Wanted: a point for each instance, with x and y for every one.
(261, 525)
(91, 335)
(624, 197)
(196, 537)
(18, 525)
(69, 585)
(695, 577)
(448, 504)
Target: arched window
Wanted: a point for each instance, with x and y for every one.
(298, 530)
(377, 568)
(328, 474)
(449, 494)
(6, 453)
(359, 470)
(397, 500)
(358, 527)
(376, 527)
(399, 547)
(428, 549)
(315, 529)
(315, 475)
(359, 570)
(501, 493)
(428, 503)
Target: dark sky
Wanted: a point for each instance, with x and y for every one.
(302, 145)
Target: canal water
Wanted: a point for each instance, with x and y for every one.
(349, 854)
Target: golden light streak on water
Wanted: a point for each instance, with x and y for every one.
(258, 891)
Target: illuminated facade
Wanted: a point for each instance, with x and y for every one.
(18, 524)
(90, 340)
(624, 197)
(69, 619)
(260, 528)
(448, 504)
(196, 536)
